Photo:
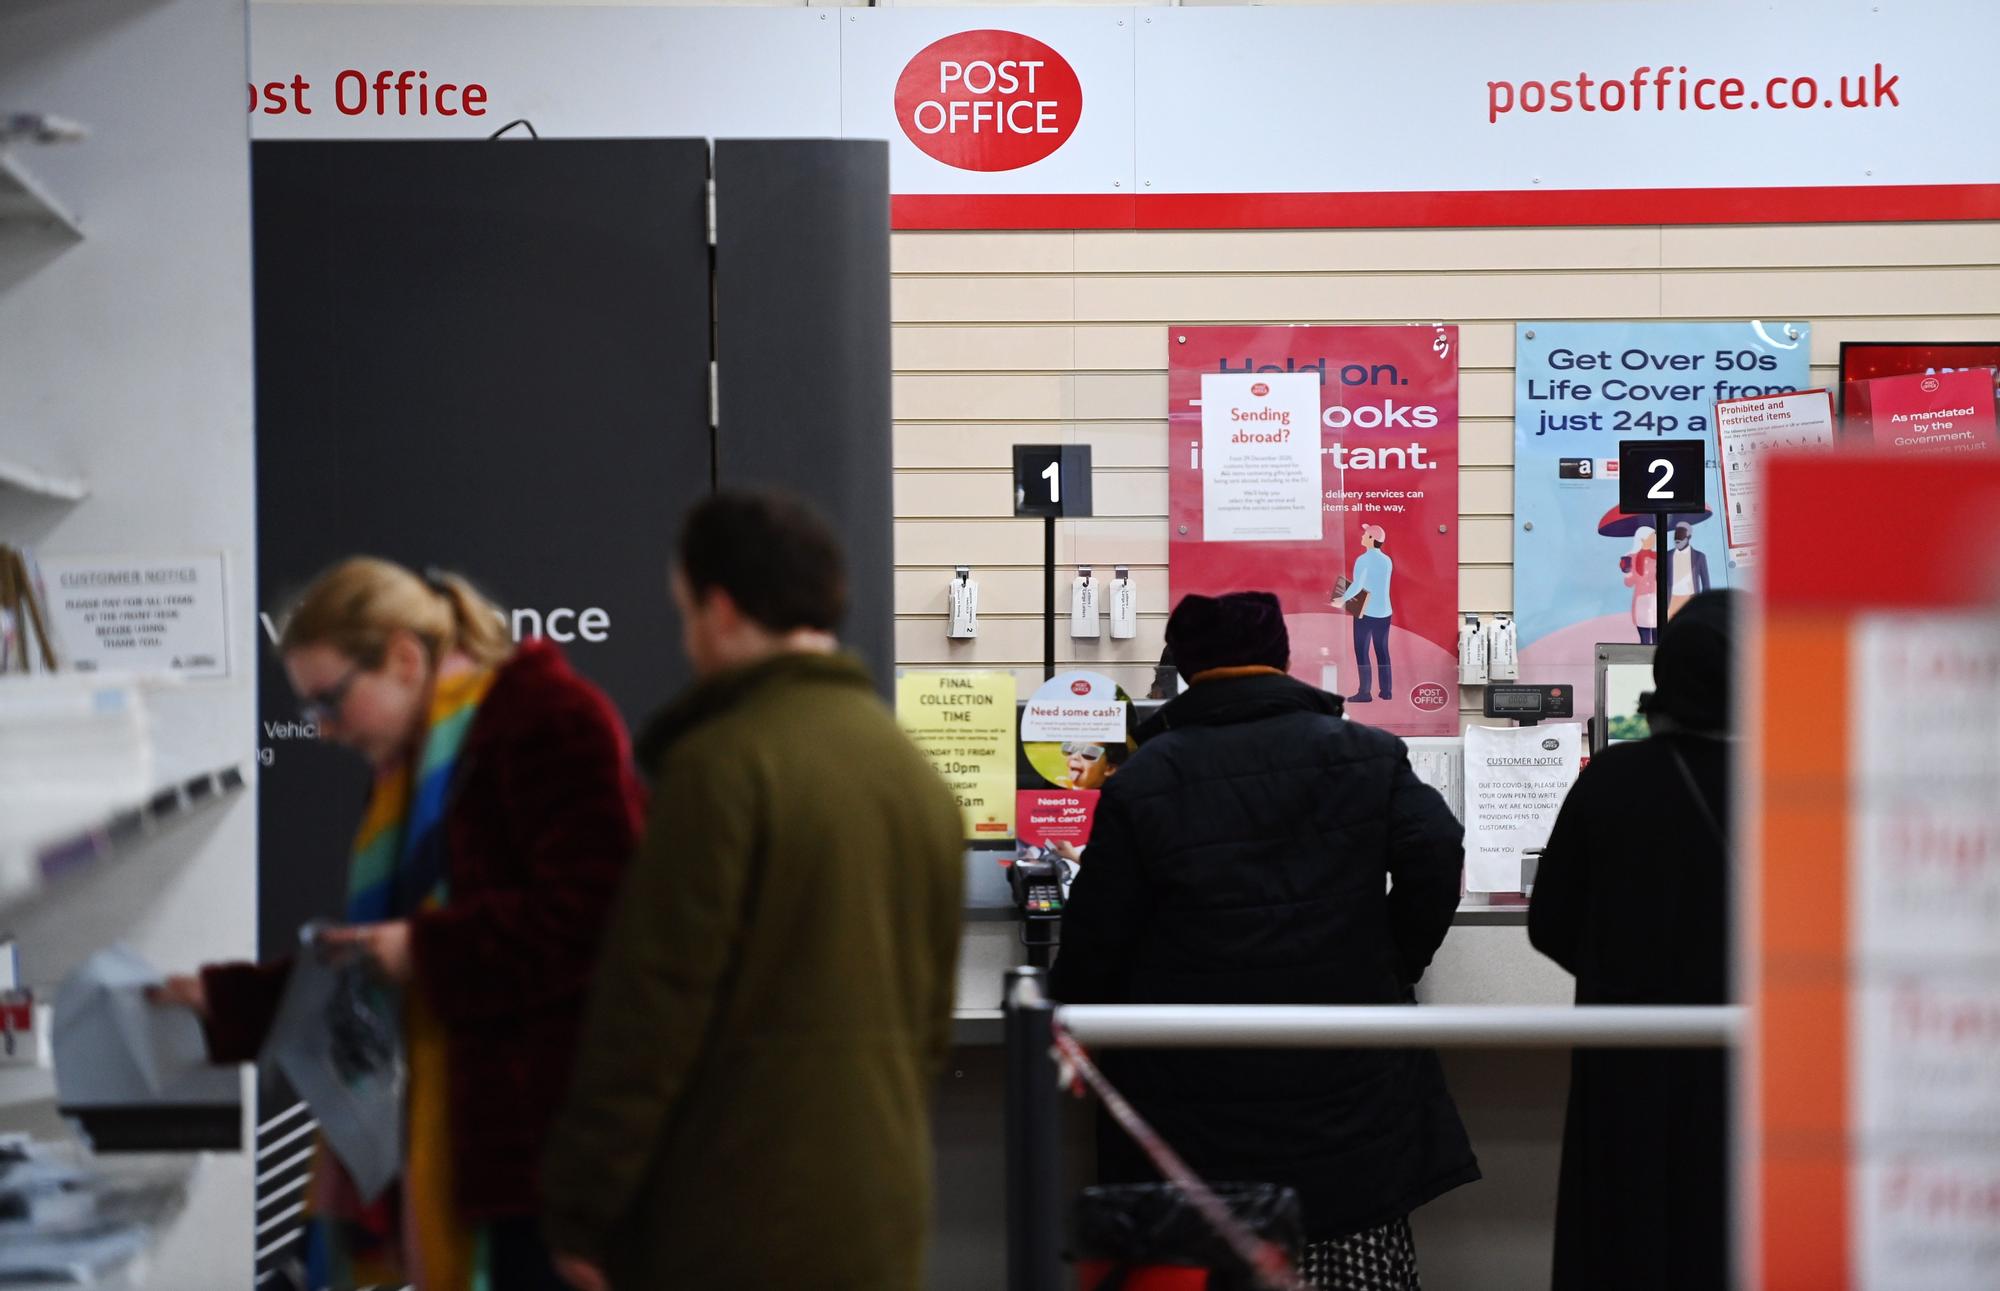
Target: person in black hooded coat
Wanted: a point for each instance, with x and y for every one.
(1633, 898)
(1243, 856)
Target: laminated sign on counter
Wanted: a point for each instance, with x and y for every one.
(964, 723)
(1515, 781)
(1076, 728)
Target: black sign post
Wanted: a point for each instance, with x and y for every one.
(1051, 481)
(1662, 478)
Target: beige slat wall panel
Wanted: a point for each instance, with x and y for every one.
(990, 494)
(982, 253)
(1486, 441)
(1062, 337)
(1039, 396)
(1022, 348)
(973, 299)
(1366, 250)
(1362, 297)
(1807, 293)
(930, 445)
(1016, 641)
(1830, 245)
(974, 542)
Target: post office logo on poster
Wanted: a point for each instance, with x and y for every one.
(1429, 697)
(988, 100)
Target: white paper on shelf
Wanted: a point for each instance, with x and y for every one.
(113, 1048)
(72, 749)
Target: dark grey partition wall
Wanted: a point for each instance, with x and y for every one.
(486, 356)
(494, 356)
(802, 347)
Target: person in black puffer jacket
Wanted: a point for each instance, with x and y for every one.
(1261, 849)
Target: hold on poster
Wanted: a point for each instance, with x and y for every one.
(1583, 572)
(1371, 604)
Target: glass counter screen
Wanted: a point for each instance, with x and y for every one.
(1624, 683)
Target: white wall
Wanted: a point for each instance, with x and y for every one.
(126, 358)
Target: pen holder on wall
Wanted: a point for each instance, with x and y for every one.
(1124, 605)
(1083, 606)
(963, 599)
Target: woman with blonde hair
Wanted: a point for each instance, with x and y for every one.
(503, 812)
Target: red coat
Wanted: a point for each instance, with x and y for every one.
(546, 812)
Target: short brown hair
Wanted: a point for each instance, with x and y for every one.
(775, 556)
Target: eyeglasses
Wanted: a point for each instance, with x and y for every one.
(319, 707)
(1088, 752)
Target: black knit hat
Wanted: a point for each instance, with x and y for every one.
(1242, 629)
(1692, 667)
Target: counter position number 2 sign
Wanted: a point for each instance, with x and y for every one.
(1656, 476)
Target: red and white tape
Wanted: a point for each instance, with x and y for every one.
(1266, 1261)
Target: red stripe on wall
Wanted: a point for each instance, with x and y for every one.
(1012, 211)
(1851, 204)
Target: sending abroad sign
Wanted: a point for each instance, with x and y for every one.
(1313, 116)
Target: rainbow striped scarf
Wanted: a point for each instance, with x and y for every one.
(398, 868)
(398, 863)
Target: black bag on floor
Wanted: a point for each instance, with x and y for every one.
(1131, 1237)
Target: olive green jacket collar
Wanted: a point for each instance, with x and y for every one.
(711, 698)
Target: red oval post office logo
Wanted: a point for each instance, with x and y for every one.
(1429, 697)
(1929, 385)
(1260, 390)
(989, 100)
(1079, 688)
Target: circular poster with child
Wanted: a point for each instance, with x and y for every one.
(1075, 729)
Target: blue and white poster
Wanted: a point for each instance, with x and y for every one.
(1584, 573)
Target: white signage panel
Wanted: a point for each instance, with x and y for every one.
(379, 72)
(1516, 779)
(146, 614)
(1447, 98)
(1261, 476)
(1287, 116)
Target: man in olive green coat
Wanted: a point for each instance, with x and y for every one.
(751, 1106)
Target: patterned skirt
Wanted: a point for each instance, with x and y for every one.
(1374, 1259)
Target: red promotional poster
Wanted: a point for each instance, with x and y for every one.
(1043, 817)
(1934, 414)
(1864, 361)
(1363, 551)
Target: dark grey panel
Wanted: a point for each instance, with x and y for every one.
(802, 347)
(486, 356)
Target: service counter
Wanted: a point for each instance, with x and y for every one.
(1494, 1234)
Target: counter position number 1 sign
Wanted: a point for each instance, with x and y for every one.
(1656, 476)
(1052, 480)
